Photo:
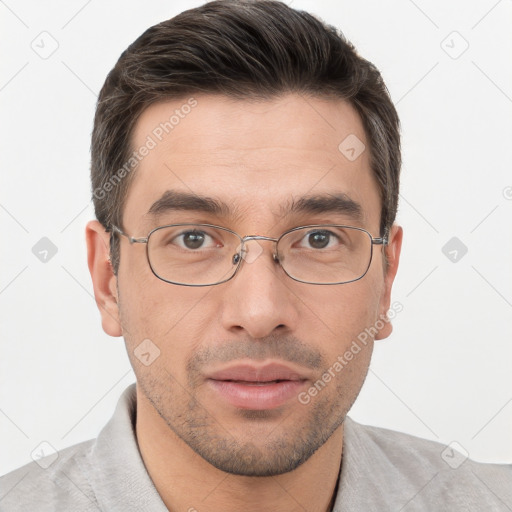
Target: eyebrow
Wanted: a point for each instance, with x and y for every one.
(339, 203)
(326, 203)
(173, 200)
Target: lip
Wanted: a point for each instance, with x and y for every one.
(251, 373)
(257, 387)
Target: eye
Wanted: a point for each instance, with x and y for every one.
(320, 239)
(194, 239)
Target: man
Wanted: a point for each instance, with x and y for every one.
(245, 170)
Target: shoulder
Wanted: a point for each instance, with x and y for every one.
(438, 473)
(54, 482)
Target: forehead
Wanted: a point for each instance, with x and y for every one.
(257, 158)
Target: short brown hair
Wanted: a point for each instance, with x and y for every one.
(245, 49)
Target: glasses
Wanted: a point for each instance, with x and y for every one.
(205, 255)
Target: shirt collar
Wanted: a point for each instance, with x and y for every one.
(118, 476)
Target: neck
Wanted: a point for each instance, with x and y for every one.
(185, 481)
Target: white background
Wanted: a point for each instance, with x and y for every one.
(445, 374)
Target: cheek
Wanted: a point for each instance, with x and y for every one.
(148, 306)
(174, 318)
(151, 330)
(348, 309)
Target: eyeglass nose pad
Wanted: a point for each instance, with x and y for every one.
(240, 253)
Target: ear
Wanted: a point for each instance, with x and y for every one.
(393, 256)
(103, 279)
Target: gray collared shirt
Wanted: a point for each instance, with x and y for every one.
(381, 470)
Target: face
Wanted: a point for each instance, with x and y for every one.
(238, 361)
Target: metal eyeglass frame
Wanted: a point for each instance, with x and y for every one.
(144, 240)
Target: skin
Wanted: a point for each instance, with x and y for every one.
(201, 452)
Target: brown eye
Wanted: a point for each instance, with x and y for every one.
(193, 239)
(319, 239)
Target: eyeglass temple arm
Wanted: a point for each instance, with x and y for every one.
(383, 240)
(131, 239)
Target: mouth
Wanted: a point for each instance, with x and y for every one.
(256, 383)
(257, 388)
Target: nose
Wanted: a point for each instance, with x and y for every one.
(259, 299)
